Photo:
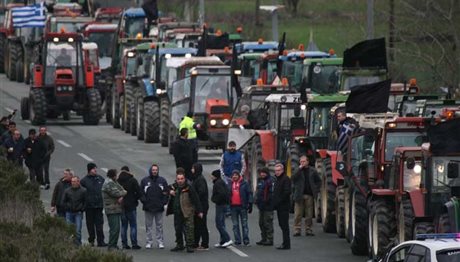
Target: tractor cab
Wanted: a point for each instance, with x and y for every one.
(412, 105)
(133, 22)
(91, 56)
(70, 23)
(166, 31)
(103, 34)
(433, 108)
(110, 15)
(319, 75)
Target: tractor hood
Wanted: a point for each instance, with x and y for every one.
(366, 54)
(105, 62)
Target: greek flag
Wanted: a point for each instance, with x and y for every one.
(29, 16)
(347, 129)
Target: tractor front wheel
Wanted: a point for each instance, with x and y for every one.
(37, 107)
(382, 228)
(25, 108)
(327, 192)
(151, 122)
(92, 112)
(164, 121)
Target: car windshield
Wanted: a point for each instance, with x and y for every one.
(323, 79)
(134, 26)
(208, 87)
(401, 139)
(104, 41)
(293, 72)
(450, 255)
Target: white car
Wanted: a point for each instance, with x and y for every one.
(432, 249)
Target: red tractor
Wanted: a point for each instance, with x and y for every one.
(109, 15)
(62, 83)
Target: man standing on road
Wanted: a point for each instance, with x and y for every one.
(34, 155)
(58, 192)
(8, 133)
(201, 188)
(113, 194)
(306, 183)
(231, 160)
(281, 203)
(129, 205)
(74, 203)
(49, 145)
(264, 201)
(240, 205)
(154, 196)
(15, 148)
(183, 152)
(94, 217)
(188, 123)
(220, 197)
(185, 203)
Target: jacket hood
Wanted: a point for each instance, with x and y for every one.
(150, 172)
(198, 169)
(124, 176)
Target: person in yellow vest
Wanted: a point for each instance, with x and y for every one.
(187, 122)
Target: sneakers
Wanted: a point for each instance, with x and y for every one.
(47, 186)
(161, 246)
(218, 245)
(309, 234)
(247, 244)
(102, 244)
(228, 243)
(201, 248)
(148, 246)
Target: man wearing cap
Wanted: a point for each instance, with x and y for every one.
(221, 197)
(264, 202)
(240, 205)
(113, 194)
(94, 204)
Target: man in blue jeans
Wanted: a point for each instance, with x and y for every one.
(240, 205)
(220, 197)
(130, 202)
(74, 202)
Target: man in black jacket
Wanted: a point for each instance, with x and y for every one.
(34, 155)
(154, 196)
(129, 205)
(281, 203)
(306, 183)
(94, 204)
(58, 193)
(201, 188)
(220, 197)
(49, 145)
(183, 152)
(74, 201)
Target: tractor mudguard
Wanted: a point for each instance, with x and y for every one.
(337, 178)
(267, 141)
(379, 192)
(38, 76)
(418, 202)
(322, 153)
(89, 76)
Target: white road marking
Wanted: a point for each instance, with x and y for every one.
(87, 158)
(237, 251)
(9, 109)
(104, 169)
(63, 143)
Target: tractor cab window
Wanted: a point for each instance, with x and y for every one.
(144, 68)
(130, 66)
(2, 18)
(352, 81)
(441, 183)
(409, 108)
(319, 122)
(210, 87)
(104, 41)
(293, 72)
(412, 177)
(272, 69)
(282, 114)
(180, 90)
(255, 70)
(322, 79)
(172, 75)
(68, 26)
(401, 139)
(362, 151)
(429, 109)
(93, 58)
(61, 55)
(134, 26)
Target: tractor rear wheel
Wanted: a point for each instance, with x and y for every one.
(151, 122)
(255, 160)
(115, 111)
(293, 160)
(129, 97)
(164, 121)
(444, 224)
(382, 228)
(327, 192)
(25, 108)
(140, 118)
(347, 214)
(359, 220)
(12, 58)
(121, 110)
(20, 71)
(2, 53)
(133, 114)
(340, 211)
(37, 107)
(92, 112)
(108, 106)
(406, 221)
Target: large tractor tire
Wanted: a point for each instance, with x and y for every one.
(151, 122)
(129, 99)
(172, 136)
(444, 224)
(340, 211)
(327, 192)
(255, 160)
(12, 59)
(37, 107)
(2, 53)
(382, 227)
(133, 115)
(108, 106)
(25, 108)
(164, 121)
(121, 110)
(19, 64)
(115, 111)
(347, 214)
(406, 221)
(359, 224)
(140, 118)
(293, 162)
(92, 112)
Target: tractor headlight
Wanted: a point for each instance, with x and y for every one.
(59, 89)
(417, 169)
(213, 122)
(225, 122)
(70, 88)
(159, 91)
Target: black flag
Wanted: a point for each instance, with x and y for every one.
(151, 9)
(371, 98)
(368, 53)
(444, 137)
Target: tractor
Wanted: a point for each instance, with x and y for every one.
(110, 15)
(62, 82)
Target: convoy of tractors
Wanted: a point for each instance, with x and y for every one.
(393, 181)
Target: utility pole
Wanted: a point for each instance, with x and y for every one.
(201, 18)
(370, 19)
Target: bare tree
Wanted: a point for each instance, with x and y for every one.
(292, 6)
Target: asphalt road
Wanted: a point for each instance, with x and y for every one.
(77, 144)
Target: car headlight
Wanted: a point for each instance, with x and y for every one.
(212, 122)
(225, 122)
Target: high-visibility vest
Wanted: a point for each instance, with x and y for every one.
(188, 123)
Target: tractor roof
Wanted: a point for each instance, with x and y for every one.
(325, 61)
(108, 11)
(89, 46)
(134, 12)
(63, 36)
(71, 19)
(326, 99)
(256, 46)
(304, 55)
(182, 25)
(101, 27)
(176, 62)
(211, 69)
(177, 51)
(287, 98)
(249, 56)
(144, 47)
